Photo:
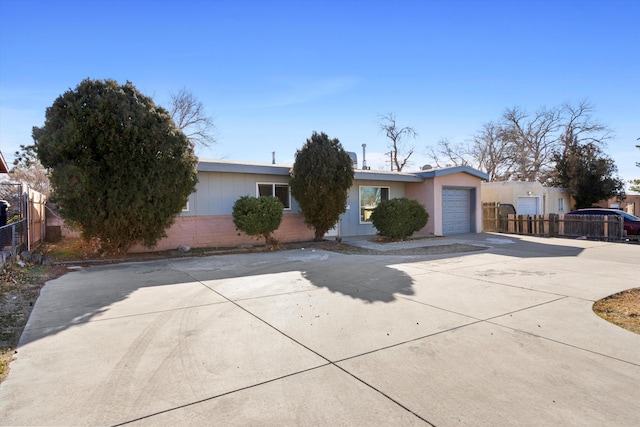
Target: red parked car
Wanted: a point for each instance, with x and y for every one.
(631, 222)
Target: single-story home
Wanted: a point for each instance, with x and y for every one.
(451, 196)
(528, 198)
(630, 204)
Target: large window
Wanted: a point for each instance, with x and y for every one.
(369, 199)
(281, 191)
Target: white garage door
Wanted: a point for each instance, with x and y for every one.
(456, 211)
(527, 206)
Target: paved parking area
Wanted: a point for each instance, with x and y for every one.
(502, 336)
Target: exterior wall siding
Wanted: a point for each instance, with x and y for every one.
(216, 192)
(350, 220)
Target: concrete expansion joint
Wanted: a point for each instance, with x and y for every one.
(207, 399)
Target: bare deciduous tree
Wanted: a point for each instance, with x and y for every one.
(524, 146)
(635, 183)
(27, 168)
(580, 124)
(448, 153)
(35, 175)
(489, 151)
(532, 141)
(189, 116)
(399, 152)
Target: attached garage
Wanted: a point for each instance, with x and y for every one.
(452, 198)
(457, 210)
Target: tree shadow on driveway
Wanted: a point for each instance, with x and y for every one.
(95, 293)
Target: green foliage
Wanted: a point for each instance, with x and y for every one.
(635, 183)
(120, 169)
(320, 180)
(258, 216)
(399, 218)
(26, 157)
(588, 174)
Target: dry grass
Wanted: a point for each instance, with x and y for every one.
(19, 288)
(622, 309)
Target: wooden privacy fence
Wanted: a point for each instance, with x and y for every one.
(606, 227)
(490, 217)
(36, 218)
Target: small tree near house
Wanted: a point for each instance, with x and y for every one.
(320, 180)
(588, 173)
(258, 216)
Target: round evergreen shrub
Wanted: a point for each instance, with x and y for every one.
(399, 218)
(120, 169)
(258, 216)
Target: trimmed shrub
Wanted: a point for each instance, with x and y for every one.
(399, 218)
(258, 216)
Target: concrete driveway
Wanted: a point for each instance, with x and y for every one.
(502, 336)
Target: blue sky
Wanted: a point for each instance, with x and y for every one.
(271, 72)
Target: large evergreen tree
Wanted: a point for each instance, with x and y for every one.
(120, 168)
(320, 180)
(587, 173)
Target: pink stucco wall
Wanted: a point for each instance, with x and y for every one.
(219, 232)
(423, 193)
(429, 194)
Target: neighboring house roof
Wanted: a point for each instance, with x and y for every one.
(209, 165)
(432, 173)
(206, 165)
(387, 176)
(3, 164)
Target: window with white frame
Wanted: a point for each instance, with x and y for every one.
(560, 204)
(281, 191)
(370, 197)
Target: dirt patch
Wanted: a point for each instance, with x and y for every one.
(424, 250)
(79, 252)
(622, 309)
(19, 288)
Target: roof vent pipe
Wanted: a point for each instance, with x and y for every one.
(273, 157)
(364, 158)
